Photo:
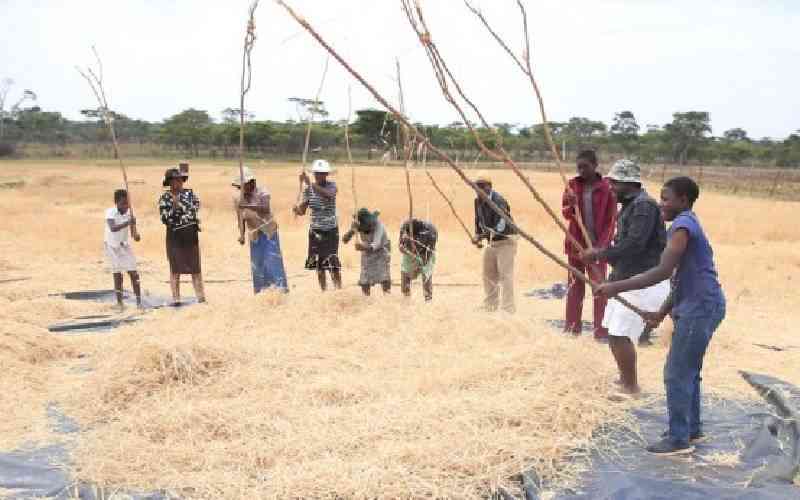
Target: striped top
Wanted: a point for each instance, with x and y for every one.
(323, 210)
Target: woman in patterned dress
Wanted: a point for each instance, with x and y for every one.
(178, 208)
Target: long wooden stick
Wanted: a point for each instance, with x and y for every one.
(247, 77)
(308, 127)
(407, 144)
(443, 156)
(444, 78)
(527, 69)
(95, 80)
(347, 147)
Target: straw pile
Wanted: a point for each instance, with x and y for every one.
(334, 396)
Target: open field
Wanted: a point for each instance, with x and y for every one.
(312, 394)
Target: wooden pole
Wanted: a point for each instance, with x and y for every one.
(309, 122)
(95, 80)
(527, 69)
(247, 74)
(407, 143)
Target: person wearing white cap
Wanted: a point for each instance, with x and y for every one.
(253, 213)
(640, 239)
(323, 233)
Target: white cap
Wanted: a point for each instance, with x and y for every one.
(246, 174)
(321, 166)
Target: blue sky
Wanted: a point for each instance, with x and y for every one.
(735, 59)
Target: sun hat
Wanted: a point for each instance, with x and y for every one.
(321, 167)
(246, 173)
(483, 178)
(625, 171)
(173, 173)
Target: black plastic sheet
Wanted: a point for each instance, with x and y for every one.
(105, 322)
(761, 437)
(43, 472)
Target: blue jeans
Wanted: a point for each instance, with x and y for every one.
(693, 332)
(266, 263)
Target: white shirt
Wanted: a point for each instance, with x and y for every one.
(112, 238)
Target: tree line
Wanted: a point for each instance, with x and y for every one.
(193, 132)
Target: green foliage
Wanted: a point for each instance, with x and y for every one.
(188, 129)
(624, 132)
(686, 138)
(376, 126)
(687, 133)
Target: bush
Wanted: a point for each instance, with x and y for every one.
(7, 149)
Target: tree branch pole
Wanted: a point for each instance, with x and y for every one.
(349, 152)
(527, 69)
(247, 76)
(308, 127)
(407, 143)
(442, 155)
(95, 80)
(443, 75)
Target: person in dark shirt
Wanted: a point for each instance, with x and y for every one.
(498, 258)
(641, 237)
(418, 246)
(697, 306)
(590, 195)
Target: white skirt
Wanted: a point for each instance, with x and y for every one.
(622, 322)
(120, 259)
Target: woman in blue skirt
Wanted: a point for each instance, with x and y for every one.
(253, 213)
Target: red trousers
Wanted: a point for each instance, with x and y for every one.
(575, 294)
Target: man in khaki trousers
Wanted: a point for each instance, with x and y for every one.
(498, 258)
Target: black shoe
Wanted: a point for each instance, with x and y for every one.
(667, 447)
(699, 437)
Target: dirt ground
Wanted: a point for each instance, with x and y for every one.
(315, 394)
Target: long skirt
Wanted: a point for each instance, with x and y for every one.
(183, 253)
(375, 267)
(323, 249)
(266, 262)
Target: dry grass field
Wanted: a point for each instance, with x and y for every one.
(326, 395)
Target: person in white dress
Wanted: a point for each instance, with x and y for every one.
(120, 224)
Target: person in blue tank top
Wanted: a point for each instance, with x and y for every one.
(697, 306)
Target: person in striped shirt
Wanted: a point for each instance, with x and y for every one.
(323, 233)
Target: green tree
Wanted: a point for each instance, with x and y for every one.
(376, 126)
(14, 109)
(582, 132)
(735, 135)
(687, 132)
(188, 129)
(789, 151)
(624, 132)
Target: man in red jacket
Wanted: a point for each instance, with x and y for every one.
(594, 199)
